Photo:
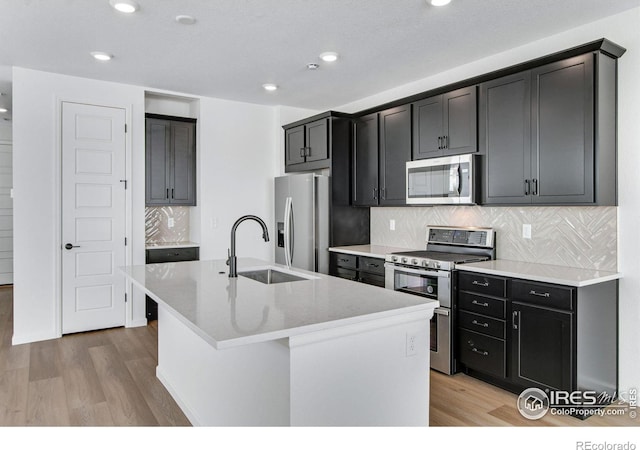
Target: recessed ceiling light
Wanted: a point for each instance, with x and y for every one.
(185, 20)
(269, 87)
(329, 56)
(3, 110)
(101, 56)
(312, 66)
(125, 6)
(439, 2)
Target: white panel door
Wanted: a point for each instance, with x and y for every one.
(6, 214)
(93, 217)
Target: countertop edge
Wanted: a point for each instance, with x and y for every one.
(541, 278)
(372, 254)
(166, 245)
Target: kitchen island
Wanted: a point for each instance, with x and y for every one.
(316, 351)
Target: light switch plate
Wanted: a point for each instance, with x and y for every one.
(526, 230)
(392, 224)
(171, 222)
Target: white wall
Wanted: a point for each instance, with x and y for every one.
(623, 30)
(238, 160)
(237, 163)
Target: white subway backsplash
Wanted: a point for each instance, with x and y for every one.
(569, 236)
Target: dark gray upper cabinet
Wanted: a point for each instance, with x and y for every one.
(382, 146)
(545, 138)
(445, 124)
(307, 146)
(170, 150)
(395, 151)
(505, 130)
(365, 161)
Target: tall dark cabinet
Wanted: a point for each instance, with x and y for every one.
(170, 148)
(382, 146)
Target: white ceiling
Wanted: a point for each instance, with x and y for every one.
(237, 45)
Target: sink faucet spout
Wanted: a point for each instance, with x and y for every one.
(232, 260)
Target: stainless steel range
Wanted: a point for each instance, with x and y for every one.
(429, 273)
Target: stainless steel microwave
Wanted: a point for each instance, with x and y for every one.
(442, 181)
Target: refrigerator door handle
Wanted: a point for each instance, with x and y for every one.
(287, 231)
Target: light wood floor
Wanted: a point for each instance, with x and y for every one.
(107, 378)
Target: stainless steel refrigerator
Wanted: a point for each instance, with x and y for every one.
(302, 221)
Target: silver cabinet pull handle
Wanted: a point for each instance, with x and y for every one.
(477, 283)
(475, 350)
(476, 302)
(540, 294)
(483, 324)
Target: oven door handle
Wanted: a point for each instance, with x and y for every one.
(432, 273)
(441, 311)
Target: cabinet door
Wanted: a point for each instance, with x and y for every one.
(541, 346)
(294, 145)
(395, 151)
(505, 139)
(460, 121)
(365, 161)
(183, 164)
(316, 134)
(563, 111)
(427, 128)
(157, 161)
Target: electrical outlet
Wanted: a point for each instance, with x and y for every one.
(526, 230)
(171, 222)
(392, 224)
(411, 344)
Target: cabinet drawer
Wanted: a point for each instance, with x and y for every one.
(550, 295)
(482, 324)
(162, 255)
(483, 353)
(345, 273)
(343, 260)
(371, 265)
(369, 278)
(482, 284)
(487, 306)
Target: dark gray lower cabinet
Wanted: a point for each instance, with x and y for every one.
(518, 333)
(165, 255)
(364, 269)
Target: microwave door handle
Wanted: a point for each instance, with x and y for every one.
(454, 179)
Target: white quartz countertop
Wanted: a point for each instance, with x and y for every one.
(230, 312)
(162, 245)
(374, 251)
(568, 276)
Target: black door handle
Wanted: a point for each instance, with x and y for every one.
(70, 246)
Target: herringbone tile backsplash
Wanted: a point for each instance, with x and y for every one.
(157, 229)
(570, 236)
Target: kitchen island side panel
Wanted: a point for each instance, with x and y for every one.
(240, 386)
(371, 374)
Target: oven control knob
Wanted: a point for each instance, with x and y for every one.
(436, 265)
(425, 263)
(414, 261)
(430, 289)
(394, 258)
(404, 260)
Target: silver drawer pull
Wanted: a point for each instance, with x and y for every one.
(540, 294)
(476, 302)
(479, 352)
(475, 322)
(477, 283)
(343, 260)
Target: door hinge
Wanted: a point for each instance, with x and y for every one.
(125, 127)
(125, 241)
(125, 297)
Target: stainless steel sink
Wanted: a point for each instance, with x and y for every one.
(271, 276)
